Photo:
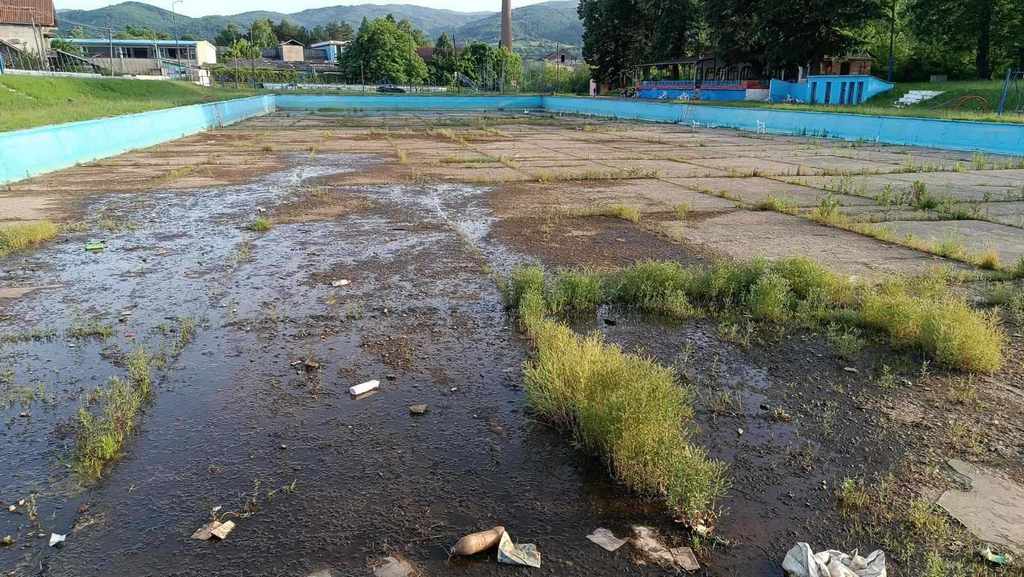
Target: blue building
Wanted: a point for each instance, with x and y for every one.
(832, 89)
(330, 48)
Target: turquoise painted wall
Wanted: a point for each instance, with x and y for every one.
(407, 102)
(25, 153)
(930, 132)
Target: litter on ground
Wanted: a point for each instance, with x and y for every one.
(393, 566)
(477, 542)
(340, 282)
(525, 554)
(802, 561)
(419, 409)
(649, 547)
(606, 539)
(56, 539)
(995, 558)
(95, 245)
(363, 388)
(214, 529)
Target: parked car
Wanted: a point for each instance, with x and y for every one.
(391, 88)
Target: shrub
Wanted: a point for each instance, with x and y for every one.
(522, 280)
(945, 327)
(769, 298)
(577, 292)
(629, 410)
(655, 286)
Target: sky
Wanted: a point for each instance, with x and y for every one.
(207, 7)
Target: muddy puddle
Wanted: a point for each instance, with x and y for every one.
(320, 480)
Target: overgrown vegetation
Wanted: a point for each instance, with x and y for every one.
(913, 532)
(21, 236)
(102, 433)
(626, 408)
(919, 313)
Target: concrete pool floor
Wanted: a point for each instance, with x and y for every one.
(417, 212)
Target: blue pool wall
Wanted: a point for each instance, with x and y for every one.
(399, 102)
(34, 151)
(999, 138)
(26, 153)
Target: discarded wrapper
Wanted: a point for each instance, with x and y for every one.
(94, 245)
(339, 283)
(363, 388)
(56, 539)
(606, 539)
(525, 554)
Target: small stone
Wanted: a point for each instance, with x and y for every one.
(284, 447)
(739, 431)
(13, 508)
(851, 370)
(419, 409)
(391, 377)
(7, 541)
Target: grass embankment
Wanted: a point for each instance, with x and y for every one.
(102, 434)
(22, 236)
(626, 408)
(956, 102)
(28, 101)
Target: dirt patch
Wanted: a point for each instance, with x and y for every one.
(596, 241)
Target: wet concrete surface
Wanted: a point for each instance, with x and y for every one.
(318, 481)
(232, 419)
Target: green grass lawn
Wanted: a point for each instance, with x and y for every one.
(960, 101)
(27, 101)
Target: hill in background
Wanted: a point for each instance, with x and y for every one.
(537, 28)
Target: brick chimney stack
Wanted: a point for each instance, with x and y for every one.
(506, 23)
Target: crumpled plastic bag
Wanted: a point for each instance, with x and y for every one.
(802, 561)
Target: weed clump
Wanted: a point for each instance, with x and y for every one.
(627, 409)
(577, 292)
(17, 237)
(103, 434)
(943, 326)
(654, 287)
(261, 224)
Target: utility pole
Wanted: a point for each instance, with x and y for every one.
(110, 45)
(177, 34)
(892, 39)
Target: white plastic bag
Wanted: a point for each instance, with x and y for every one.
(801, 561)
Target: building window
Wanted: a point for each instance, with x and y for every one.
(828, 93)
(860, 92)
(814, 92)
(842, 93)
(849, 94)
(844, 68)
